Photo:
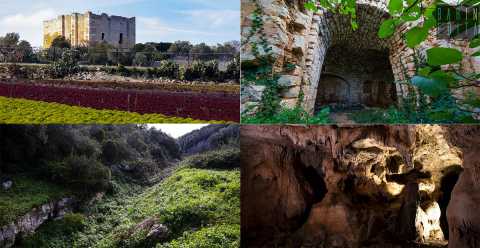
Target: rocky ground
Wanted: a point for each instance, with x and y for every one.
(103, 76)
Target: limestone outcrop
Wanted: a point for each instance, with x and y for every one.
(364, 186)
(32, 220)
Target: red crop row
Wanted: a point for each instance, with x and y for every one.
(202, 106)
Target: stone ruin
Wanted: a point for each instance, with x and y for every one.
(334, 65)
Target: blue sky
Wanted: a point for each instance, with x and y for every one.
(210, 21)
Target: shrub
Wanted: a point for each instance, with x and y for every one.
(218, 236)
(210, 70)
(217, 159)
(74, 222)
(295, 115)
(114, 152)
(80, 173)
(194, 71)
(57, 233)
(232, 72)
(168, 69)
(122, 71)
(66, 65)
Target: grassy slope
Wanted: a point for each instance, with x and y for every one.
(26, 194)
(21, 111)
(196, 204)
(201, 207)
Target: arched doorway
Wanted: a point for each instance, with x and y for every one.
(359, 59)
(334, 90)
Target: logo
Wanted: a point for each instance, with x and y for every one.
(459, 22)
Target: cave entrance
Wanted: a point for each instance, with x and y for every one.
(351, 69)
(446, 186)
(352, 80)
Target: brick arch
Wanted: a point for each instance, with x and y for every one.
(335, 33)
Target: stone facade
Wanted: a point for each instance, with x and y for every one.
(312, 41)
(87, 29)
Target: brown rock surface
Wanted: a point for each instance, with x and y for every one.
(364, 186)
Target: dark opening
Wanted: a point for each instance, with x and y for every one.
(103, 36)
(446, 186)
(353, 79)
(393, 164)
(121, 39)
(312, 181)
(316, 182)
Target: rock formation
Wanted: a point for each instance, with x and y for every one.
(364, 186)
(28, 223)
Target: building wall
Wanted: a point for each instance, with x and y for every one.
(88, 29)
(112, 27)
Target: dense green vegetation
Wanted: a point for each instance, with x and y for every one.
(37, 112)
(200, 207)
(216, 159)
(128, 181)
(26, 193)
(210, 138)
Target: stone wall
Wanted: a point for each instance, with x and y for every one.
(304, 39)
(87, 29)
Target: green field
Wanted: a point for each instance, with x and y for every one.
(21, 111)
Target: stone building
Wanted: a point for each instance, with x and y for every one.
(87, 29)
(329, 63)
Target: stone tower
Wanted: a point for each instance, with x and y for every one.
(87, 29)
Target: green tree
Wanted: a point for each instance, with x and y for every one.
(61, 42)
(180, 47)
(10, 39)
(140, 59)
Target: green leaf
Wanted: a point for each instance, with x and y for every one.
(415, 36)
(311, 6)
(475, 43)
(429, 23)
(425, 71)
(430, 11)
(414, 13)
(395, 6)
(445, 78)
(443, 56)
(386, 29)
(430, 86)
(475, 54)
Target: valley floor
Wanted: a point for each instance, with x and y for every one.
(190, 208)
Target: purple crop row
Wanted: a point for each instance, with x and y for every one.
(202, 106)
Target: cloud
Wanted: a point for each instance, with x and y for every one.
(213, 18)
(155, 29)
(29, 26)
(208, 21)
